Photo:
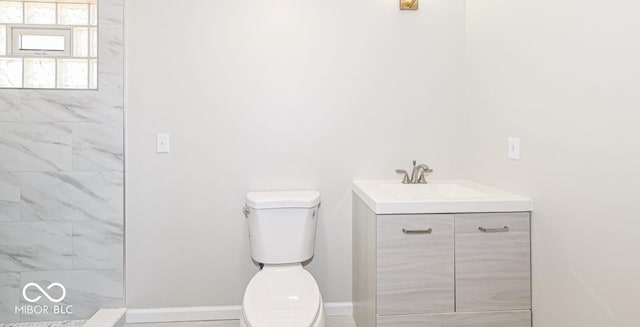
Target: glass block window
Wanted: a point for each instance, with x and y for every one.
(40, 13)
(39, 73)
(49, 44)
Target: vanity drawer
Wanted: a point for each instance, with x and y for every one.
(415, 264)
(484, 319)
(493, 267)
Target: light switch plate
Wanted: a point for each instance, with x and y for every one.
(163, 143)
(513, 148)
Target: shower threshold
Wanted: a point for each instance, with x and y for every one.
(68, 323)
(102, 318)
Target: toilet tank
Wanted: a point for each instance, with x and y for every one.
(282, 225)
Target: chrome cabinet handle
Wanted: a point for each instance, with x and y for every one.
(417, 231)
(494, 230)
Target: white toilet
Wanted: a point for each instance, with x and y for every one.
(282, 233)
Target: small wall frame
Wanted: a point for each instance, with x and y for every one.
(409, 4)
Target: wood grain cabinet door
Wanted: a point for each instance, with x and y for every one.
(493, 267)
(415, 264)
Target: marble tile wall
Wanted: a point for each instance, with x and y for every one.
(62, 188)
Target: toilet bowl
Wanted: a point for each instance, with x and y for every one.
(282, 232)
(282, 296)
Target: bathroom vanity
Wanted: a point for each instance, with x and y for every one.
(446, 254)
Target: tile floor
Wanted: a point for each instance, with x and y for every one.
(331, 322)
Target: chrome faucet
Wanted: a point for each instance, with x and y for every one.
(417, 175)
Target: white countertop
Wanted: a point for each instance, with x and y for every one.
(439, 196)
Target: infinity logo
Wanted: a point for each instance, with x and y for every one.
(26, 287)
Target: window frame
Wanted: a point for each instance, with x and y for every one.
(73, 32)
(15, 33)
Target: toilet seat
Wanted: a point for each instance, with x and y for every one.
(281, 296)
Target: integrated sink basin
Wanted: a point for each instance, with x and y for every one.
(427, 192)
(439, 196)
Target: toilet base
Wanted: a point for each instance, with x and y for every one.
(320, 321)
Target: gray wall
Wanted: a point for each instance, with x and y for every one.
(275, 94)
(564, 75)
(61, 185)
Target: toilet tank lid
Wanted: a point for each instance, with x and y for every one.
(283, 199)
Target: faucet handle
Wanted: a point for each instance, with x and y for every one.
(405, 179)
(422, 179)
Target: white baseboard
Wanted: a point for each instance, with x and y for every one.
(183, 314)
(135, 316)
(333, 309)
(107, 318)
